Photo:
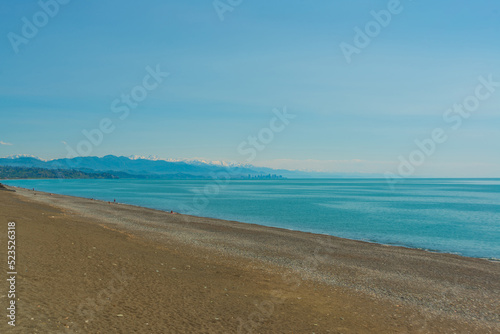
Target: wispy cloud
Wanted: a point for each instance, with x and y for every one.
(4, 143)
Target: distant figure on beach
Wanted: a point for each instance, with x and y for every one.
(114, 200)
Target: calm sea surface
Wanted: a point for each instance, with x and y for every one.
(448, 215)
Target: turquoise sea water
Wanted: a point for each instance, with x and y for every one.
(448, 215)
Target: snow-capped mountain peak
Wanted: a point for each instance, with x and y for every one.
(202, 161)
(18, 156)
(142, 157)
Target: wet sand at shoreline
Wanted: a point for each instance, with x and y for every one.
(87, 266)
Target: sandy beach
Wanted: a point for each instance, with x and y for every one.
(87, 266)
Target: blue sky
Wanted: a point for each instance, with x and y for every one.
(227, 76)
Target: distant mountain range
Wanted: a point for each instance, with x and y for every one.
(152, 167)
(140, 167)
(11, 173)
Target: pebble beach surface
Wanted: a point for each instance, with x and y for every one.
(88, 266)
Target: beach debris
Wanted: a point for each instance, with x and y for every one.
(119, 315)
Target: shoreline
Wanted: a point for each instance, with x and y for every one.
(301, 282)
(433, 251)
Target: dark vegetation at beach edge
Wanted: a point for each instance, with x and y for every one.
(3, 188)
(41, 173)
(11, 173)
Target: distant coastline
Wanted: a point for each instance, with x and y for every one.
(112, 167)
(153, 168)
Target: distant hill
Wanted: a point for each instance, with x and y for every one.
(112, 163)
(41, 173)
(121, 167)
(154, 168)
